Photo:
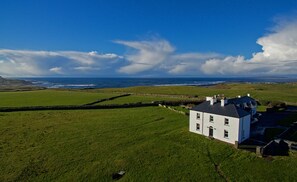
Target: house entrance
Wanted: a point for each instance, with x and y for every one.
(210, 131)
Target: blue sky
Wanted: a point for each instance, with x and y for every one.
(148, 38)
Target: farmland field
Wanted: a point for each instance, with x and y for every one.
(285, 92)
(141, 98)
(49, 97)
(150, 143)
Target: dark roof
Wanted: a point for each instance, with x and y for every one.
(241, 100)
(229, 109)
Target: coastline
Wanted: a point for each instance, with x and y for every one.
(97, 83)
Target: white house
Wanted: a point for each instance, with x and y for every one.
(227, 120)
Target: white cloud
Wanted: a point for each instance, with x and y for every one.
(149, 55)
(56, 70)
(188, 63)
(159, 55)
(43, 63)
(86, 68)
(278, 56)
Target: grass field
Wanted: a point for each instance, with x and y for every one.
(49, 97)
(271, 92)
(140, 98)
(150, 144)
(264, 92)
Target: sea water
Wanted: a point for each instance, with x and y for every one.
(62, 82)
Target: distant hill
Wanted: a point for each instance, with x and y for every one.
(12, 82)
(14, 85)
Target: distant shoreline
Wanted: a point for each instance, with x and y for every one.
(96, 83)
(23, 84)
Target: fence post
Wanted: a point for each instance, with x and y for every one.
(258, 151)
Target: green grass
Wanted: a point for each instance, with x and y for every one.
(150, 144)
(179, 108)
(263, 92)
(49, 97)
(261, 108)
(140, 98)
(285, 92)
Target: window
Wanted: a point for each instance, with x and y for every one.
(226, 134)
(198, 116)
(197, 126)
(226, 121)
(210, 118)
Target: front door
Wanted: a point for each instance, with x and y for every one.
(211, 131)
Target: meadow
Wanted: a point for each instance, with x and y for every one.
(50, 97)
(149, 143)
(284, 92)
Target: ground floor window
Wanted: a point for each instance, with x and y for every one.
(226, 134)
(197, 126)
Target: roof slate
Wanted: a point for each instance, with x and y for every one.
(228, 110)
(241, 100)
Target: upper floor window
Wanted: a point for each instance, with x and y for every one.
(210, 118)
(198, 116)
(226, 121)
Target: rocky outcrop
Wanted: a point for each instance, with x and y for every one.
(12, 82)
(16, 85)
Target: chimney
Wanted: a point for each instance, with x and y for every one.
(211, 101)
(224, 101)
(249, 95)
(214, 98)
(208, 98)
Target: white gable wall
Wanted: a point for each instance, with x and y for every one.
(244, 128)
(193, 122)
(234, 128)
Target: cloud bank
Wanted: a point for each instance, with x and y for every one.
(278, 56)
(47, 63)
(149, 55)
(158, 56)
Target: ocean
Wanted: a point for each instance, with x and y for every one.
(80, 83)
